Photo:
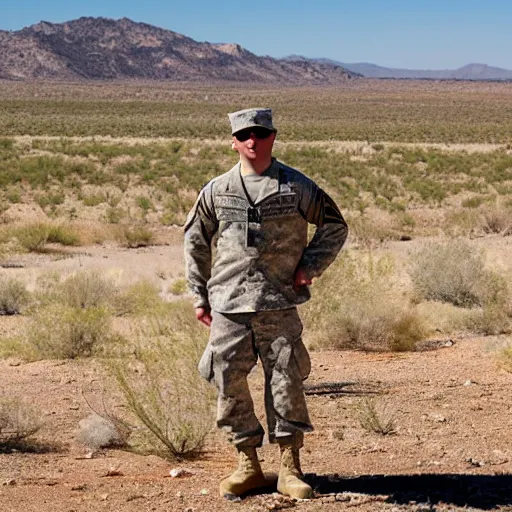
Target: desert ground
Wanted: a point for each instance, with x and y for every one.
(409, 330)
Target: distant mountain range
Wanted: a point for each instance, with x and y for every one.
(468, 72)
(107, 49)
(100, 48)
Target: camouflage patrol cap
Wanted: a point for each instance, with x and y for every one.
(251, 117)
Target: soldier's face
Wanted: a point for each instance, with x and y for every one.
(254, 148)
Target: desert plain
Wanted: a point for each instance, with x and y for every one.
(409, 330)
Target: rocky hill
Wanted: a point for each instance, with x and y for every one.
(100, 48)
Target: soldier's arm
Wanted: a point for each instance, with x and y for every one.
(331, 230)
(200, 228)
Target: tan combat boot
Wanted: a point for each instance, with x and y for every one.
(290, 475)
(246, 477)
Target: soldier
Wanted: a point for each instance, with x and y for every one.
(249, 264)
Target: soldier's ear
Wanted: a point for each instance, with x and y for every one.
(233, 147)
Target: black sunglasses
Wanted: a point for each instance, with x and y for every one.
(259, 133)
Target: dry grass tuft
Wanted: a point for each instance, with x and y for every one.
(13, 296)
(18, 422)
(376, 418)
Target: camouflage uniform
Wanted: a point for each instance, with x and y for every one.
(241, 258)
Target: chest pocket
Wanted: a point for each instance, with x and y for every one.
(283, 205)
(231, 208)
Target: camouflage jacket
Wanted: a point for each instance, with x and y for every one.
(242, 256)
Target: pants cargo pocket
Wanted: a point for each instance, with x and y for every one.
(205, 365)
(301, 355)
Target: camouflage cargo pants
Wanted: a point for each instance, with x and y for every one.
(236, 341)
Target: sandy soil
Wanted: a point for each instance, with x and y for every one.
(451, 408)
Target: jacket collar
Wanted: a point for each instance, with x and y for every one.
(270, 187)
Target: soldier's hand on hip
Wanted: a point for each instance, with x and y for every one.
(301, 279)
(204, 315)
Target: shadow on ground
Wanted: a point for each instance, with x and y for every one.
(31, 446)
(485, 492)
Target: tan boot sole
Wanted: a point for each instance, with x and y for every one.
(300, 492)
(230, 491)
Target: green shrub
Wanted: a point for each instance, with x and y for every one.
(474, 202)
(94, 199)
(64, 235)
(178, 287)
(50, 199)
(137, 299)
(63, 332)
(145, 203)
(32, 237)
(161, 383)
(13, 195)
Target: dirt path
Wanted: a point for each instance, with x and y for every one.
(452, 446)
(337, 145)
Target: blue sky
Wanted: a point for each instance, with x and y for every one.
(433, 34)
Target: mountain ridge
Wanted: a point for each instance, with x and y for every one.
(104, 48)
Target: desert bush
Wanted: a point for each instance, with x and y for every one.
(50, 199)
(161, 384)
(32, 237)
(87, 289)
(18, 421)
(94, 199)
(13, 195)
(451, 271)
(495, 315)
(475, 201)
(13, 296)
(369, 230)
(360, 307)
(496, 219)
(178, 287)
(491, 319)
(64, 235)
(114, 215)
(145, 204)
(462, 222)
(137, 236)
(138, 299)
(64, 332)
(505, 358)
